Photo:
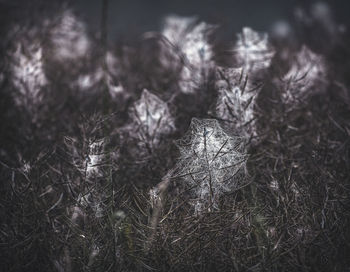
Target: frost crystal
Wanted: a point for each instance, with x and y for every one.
(236, 99)
(192, 40)
(28, 74)
(69, 38)
(253, 51)
(307, 73)
(211, 162)
(151, 118)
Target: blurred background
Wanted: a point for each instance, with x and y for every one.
(141, 16)
(138, 16)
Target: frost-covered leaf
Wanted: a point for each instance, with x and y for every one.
(195, 45)
(96, 156)
(90, 80)
(211, 162)
(238, 87)
(191, 38)
(69, 37)
(28, 75)
(151, 119)
(306, 76)
(93, 162)
(175, 27)
(236, 99)
(253, 51)
(89, 156)
(89, 152)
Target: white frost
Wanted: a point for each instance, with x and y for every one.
(211, 162)
(253, 51)
(69, 38)
(236, 99)
(28, 74)
(191, 38)
(306, 76)
(151, 118)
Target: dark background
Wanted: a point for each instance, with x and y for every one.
(138, 16)
(134, 17)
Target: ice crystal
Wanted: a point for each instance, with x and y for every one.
(253, 51)
(211, 162)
